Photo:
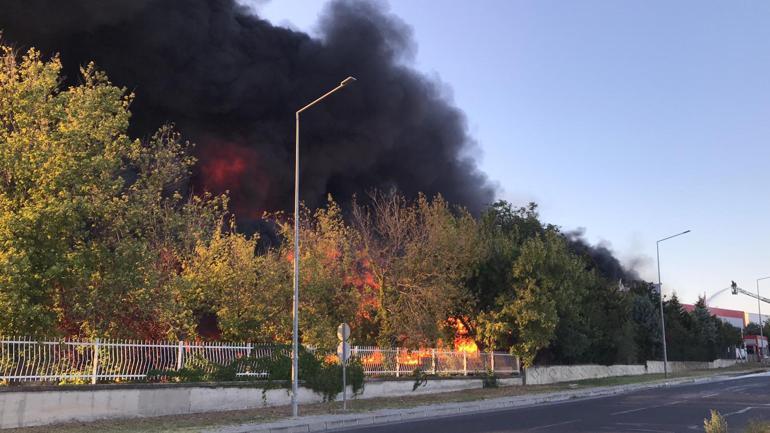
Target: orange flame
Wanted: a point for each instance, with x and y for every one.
(224, 164)
(405, 357)
(462, 342)
(234, 167)
(374, 358)
(466, 345)
(414, 357)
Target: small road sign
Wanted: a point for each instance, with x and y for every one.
(343, 351)
(343, 332)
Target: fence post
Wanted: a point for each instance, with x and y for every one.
(433, 361)
(179, 355)
(492, 361)
(465, 363)
(398, 364)
(95, 369)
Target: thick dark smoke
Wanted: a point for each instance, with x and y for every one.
(601, 257)
(231, 82)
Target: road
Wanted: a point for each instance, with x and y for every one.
(674, 409)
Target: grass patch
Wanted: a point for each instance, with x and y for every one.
(758, 427)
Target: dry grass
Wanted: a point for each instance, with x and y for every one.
(758, 427)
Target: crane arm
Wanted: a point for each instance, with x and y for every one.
(734, 287)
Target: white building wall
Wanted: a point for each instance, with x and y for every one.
(754, 317)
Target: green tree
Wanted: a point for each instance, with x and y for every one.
(680, 339)
(419, 254)
(646, 321)
(550, 283)
(751, 329)
(328, 259)
(491, 285)
(704, 332)
(728, 338)
(91, 222)
(502, 230)
(612, 333)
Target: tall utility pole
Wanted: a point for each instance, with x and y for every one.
(295, 298)
(660, 292)
(759, 311)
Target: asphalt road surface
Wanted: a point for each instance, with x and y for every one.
(674, 409)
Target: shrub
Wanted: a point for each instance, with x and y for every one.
(420, 378)
(198, 369)
(490, 380)
(322, 377)
(355, 375)
(716, 424)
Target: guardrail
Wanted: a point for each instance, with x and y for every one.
(84, 361)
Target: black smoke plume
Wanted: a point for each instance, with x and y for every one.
(600, 257)
(231, 82)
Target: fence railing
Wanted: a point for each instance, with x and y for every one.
(26, 359)
(397, 362)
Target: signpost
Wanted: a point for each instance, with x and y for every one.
(343, 351)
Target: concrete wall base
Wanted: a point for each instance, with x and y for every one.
(569, 373)
(24, 407)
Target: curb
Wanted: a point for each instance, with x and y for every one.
(323, 423)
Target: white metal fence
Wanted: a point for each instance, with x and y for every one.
(80, 361)
(398, 362)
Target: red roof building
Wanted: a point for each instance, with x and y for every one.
(737, 318)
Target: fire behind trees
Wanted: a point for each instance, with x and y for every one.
(98, 240)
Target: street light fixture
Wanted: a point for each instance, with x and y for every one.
(660, 292)
(295, 298)
(759, 311)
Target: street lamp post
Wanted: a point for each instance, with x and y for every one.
(759, 311)
(660, 292)
(295, 298)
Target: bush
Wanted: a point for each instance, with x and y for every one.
(322, 377)
(420, 378)
(490, 380)
(716, 424)
(198, 369)
(355, 375)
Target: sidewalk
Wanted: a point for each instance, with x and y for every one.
(321, 423)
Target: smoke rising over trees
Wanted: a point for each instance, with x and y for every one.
(231, 83)
(601, 257)
(103, 236)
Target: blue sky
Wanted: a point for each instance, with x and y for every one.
(633, 120)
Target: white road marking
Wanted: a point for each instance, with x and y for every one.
(737, 412)
(741, 388)
(554, 425)
(644, 408)
(641, 427)
(651, 431)
(632, 410)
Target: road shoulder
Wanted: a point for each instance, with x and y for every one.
(334, 422)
